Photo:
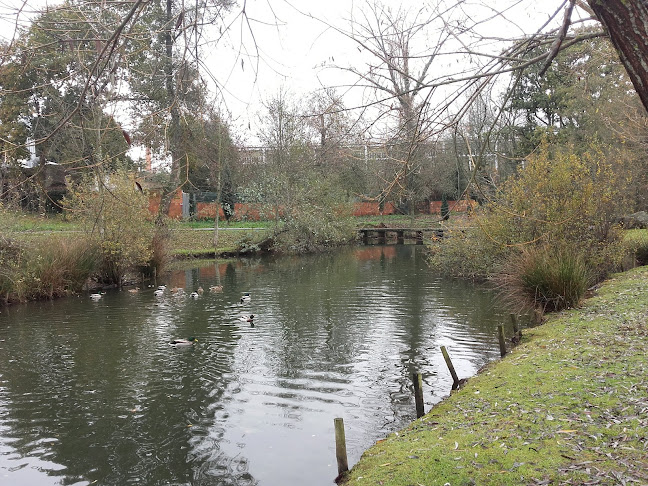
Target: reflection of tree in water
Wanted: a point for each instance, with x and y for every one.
(336, 334)
(103, 397)
(338, 311)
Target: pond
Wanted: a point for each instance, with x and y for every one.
(92, 393)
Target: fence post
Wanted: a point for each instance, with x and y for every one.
(340, 446)
(502, 342)
(418, 395)
(455, 378)
(514, 321)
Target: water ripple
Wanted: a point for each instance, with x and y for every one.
(96, 394)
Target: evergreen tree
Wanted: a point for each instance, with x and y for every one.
(445, 210)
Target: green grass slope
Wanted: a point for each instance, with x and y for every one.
(567, 406)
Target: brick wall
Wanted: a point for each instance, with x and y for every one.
(257, 211)
(459, 206)
(175, 210)
(372, 209)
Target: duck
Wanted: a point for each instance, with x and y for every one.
(216, 288)
(159, 293)
(162, 287)
(177, 290)
(246, 297)
(249, 318)
(194, 295)
(183, 342)
(96, 296)
(200, 290)
(134, 291)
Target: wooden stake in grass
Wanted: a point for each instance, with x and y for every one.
(418, 395)
(340, 446)
(502, 342)
(455, 378)
(517, 332)
(514, 321)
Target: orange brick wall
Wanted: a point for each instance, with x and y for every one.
(459, 206)
(175, 210)
(257, 211)
(208, 210)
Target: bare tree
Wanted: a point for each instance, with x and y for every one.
(402, 48)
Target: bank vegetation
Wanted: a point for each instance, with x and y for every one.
(566, 406)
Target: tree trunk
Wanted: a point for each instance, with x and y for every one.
(219, 201)
(167, 194)
(627, 24)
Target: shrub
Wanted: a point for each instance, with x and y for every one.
(52, 268)
(314, 227)
(317, 220)
(115, 213)
(545, 278)
(548, 233)
(635, 243)
(160, 252)
(466, 253)
(560, 199)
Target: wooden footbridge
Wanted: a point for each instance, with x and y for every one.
(380, 234)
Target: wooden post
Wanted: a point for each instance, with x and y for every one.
(418, 395)
(382, 236)
(365, 237)
(340, 446)
(502, 342)
(400, 236)
(514, 321)
(455, 378)
(419, 237)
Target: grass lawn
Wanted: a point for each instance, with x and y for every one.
(57, 222)
(13, 221)
(196, 243)
(567, 406)
(209, 223)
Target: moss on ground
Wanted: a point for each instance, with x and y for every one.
(567, 406)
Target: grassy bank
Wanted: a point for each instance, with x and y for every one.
(196, 243)
(424, 221)
(567, 406)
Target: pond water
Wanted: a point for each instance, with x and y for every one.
(92, 393)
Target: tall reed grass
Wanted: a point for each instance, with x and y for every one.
(50, 268)
(545, 278)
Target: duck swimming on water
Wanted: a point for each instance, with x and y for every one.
(183, 342)
(246, 297)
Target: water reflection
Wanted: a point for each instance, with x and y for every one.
(91, 391)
